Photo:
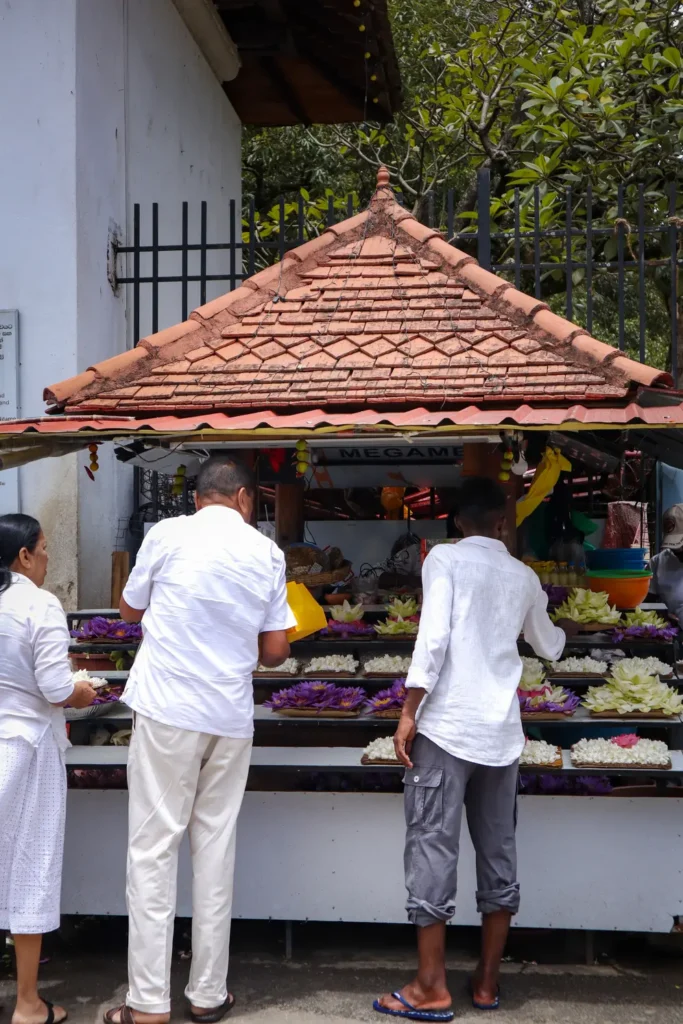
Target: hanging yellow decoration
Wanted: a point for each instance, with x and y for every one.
(546, 476)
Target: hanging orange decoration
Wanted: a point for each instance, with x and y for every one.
(94, 463)
(179, 481)
(302, 458)
(392, 498)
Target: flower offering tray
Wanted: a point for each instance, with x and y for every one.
(393, 715)
(577, 675)
(546, 716)
(617, 767)
(314, 713)
(380, 761)
(632, 714)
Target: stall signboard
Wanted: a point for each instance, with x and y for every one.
(9, 400)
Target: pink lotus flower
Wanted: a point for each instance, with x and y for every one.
(629, 740)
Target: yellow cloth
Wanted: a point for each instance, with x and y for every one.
(546, 476)
(310, 617)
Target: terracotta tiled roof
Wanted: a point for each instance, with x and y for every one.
(379, 311)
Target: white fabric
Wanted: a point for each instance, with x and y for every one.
(32, 812)
(210, 584)
(477, 599)
(35, 672)
(180, 780)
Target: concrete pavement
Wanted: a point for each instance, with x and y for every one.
(337, 987)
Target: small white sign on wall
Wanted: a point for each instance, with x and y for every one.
(9, 400)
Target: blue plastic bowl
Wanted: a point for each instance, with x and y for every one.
(616, 558)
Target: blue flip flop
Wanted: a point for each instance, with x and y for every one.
(495, 1005)
(411, 1012)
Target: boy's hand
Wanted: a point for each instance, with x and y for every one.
(83, 696)
(403, 739)
(568, 627)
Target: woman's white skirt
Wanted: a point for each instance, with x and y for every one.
(32, 819)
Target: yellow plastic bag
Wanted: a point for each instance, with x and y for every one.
(310, 617)
(546, 476)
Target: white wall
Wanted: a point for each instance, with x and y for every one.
(183, 144)
(38, 239)
(111, 103)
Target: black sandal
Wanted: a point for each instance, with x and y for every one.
(50, 1019)
(211, 1016)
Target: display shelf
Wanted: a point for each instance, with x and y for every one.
(582, 716)
(348, 759)
(114, 676)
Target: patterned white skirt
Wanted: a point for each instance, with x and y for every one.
(32, 813)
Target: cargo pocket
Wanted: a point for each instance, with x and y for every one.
(424, 799)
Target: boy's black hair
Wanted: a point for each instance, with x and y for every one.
(480, 501)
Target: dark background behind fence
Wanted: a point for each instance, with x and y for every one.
(614, 271)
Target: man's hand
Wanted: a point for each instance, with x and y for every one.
(83, 696)
(403, 739)
(568, 627)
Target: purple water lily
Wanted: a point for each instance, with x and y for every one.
(357, 628)
(317, 696)
(556, 595)
(644, 633)
(391, 699)
(99, 628)
(567, 706)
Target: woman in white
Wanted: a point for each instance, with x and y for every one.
(35, 683)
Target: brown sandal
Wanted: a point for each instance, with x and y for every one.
(126, 1015)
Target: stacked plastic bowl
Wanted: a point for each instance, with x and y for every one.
(621, 573)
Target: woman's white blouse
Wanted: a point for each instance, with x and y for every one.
(35, 672)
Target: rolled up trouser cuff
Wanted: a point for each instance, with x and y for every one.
(423, 914)
(507, 898)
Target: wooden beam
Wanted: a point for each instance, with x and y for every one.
(284, 86)
(289, 513)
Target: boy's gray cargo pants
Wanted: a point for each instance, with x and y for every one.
(436, 789)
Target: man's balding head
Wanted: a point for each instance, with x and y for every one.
(225, 481)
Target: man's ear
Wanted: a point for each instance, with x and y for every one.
(197, 502)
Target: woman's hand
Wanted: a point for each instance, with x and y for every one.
(83, 696)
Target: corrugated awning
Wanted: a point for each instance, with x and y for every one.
(471, 418)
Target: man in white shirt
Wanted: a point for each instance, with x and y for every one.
(211, 593)
(460, 738)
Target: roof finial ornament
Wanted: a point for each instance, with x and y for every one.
(383, 177)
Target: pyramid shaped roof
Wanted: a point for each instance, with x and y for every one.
(378, 312)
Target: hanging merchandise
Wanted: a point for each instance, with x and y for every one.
(94, 463)
(301, 458)
(392, 500)
(547, 474)
(179, 481)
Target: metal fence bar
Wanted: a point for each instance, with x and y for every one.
(673, 300)
(202, 255)
(233, 247)
(518, 243)
(155, 268)
(184, 255)
(136, 273)
(450, 214)
(252, 236)
(537, 242)
(620, 260)
(589, 259)
(641, 273)
(569, 270)
(484, 218)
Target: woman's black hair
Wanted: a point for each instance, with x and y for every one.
(17, 531)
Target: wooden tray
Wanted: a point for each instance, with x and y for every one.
(595, 627)
(546, 716)
(313, 713)
(349, 636)
(577, 675)
(382, 675)
(547, 764)
(277, 675)
(632, 714)
(368, 761)
(324, 673)
(392, 715)
(616, 767)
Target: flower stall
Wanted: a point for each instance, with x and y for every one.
(363, 376)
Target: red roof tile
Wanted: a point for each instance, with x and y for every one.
(379, 310)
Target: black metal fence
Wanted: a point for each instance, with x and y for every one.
(615, 269)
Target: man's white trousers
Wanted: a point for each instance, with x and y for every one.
(177, 781)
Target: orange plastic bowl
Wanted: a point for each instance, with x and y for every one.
(625, 593)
